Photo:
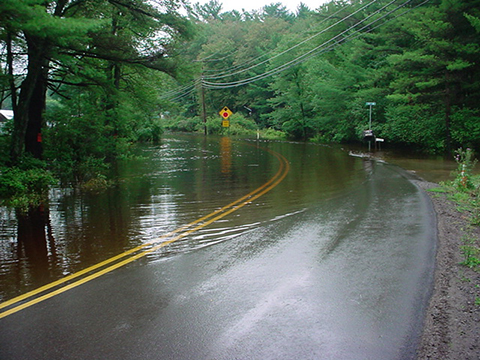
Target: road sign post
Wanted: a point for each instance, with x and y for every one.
(370, 121)
(370, 124)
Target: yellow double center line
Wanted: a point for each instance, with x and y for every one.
(57, 287)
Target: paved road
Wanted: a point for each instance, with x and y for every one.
(346, 278)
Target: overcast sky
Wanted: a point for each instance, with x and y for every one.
(249, 5)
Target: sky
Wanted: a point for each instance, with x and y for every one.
(249, 5)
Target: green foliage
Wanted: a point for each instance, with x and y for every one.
(421, 69)
(79, 140)
(214, 125)
(466, 162)
(466, 127)
(465, 189)
(471, 253)
(475, 21)
(25, 185)
(150, 132)
(96, 184)
(241, 126)
(182, 124)
(92, 129)
(31, 17)
(465, 192)
(472, 257)
(417, 126)
(104, 48)
(272, 134)
(439, 189)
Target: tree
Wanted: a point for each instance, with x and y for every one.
(418, 62)
(208, 11)
(61, 36)
(439, 69)
(32, 28)
(277, 10)
(291, 103)
(231, 49)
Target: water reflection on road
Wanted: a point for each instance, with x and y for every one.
(333, 263)
(164, 188)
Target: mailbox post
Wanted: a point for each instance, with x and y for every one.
(372, 136)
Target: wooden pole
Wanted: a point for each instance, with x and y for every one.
(204, 109)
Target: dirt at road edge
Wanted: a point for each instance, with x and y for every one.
(452, 320)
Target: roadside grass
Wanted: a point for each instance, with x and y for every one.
(468, 203)
(464, 191)
(471, 253)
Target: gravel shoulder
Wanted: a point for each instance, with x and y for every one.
(452, 320)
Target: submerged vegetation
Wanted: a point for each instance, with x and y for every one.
(87, 79)
(25, 185)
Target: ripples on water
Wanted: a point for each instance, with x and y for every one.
(166, 187)
(223, 231)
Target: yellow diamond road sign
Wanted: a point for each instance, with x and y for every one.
(225, 113)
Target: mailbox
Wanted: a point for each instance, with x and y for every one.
(368, 135)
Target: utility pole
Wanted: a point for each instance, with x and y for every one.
(204, 109)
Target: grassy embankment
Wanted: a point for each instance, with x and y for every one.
(464, 191)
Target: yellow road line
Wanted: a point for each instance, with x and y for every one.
(244, 200)
(140, 247)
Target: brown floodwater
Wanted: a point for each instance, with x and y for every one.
(171, 184)
(216, 248)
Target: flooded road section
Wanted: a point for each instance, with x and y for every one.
(286, 251)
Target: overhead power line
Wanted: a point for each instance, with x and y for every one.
(188, 89)
(178, 92)
(303, 57)
(225, 74)
(230, 71)
(324, 47)
(351, 33)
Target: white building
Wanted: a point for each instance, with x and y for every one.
(6, 115)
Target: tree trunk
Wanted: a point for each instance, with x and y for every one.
(28, 117)
(33, 135)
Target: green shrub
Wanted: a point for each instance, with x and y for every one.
(183, 124)
(149, 132)
(96, 184)
(22, 188)
(214, 125)
(239, 125)
(272, 134)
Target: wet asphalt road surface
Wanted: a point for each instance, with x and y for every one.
(345, 278)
